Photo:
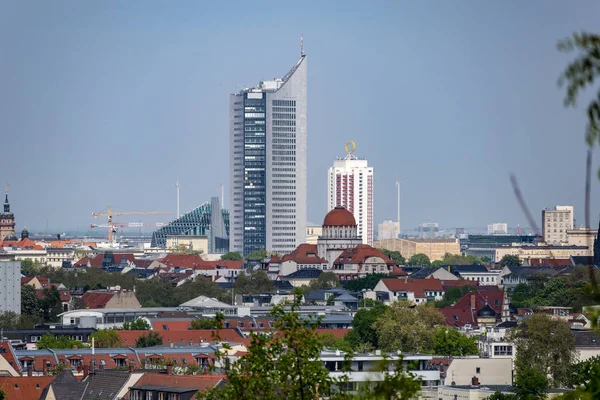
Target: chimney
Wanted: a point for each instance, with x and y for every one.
(473, 301)
(169, 369)
(29, 371)
(474, 381)
(44, 367)
(86, 370)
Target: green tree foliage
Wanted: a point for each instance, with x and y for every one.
(92, 278)
(197, 287)
(330, 341)
(368, 282)
(580, 74)
(29, 267)
(10, 320)
(452, 295)
(30, 304)
(139, 324)
(396, 256)
(450, 342)
(58, 368)
(2, 394)
(408, 328)
(106, 338)
(531, 384)
(326, 280)
(258, 255)
(205, 323)
(457, 259)
(50, 304)
(510, 261)
(486, 259)
(419, 260)
(253, 282)
(150, 339)
(48, 341)
(183, 249)
(546, 346)
(156, 292)
(232, 255)
(363, 333)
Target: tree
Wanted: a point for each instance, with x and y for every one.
(2, 394)
(326, 280)
(30, 304)
(510, 261)
(362, 331)
(258, 255)
(368, 282)
(10, 320)
(420, 260)
(545, 345)
(450, 342)
(395, 256)
(197, 287)
(408, 328)
(253, 282)
(486, 260)
(156, 292)
(48, 341)
(152, 338)
(183, 249)
(29, 267)
(139, 324)
(50, 304)
(531, 384)
(204, 323)
(580, 74)
(107, 338)
(457, 259)
(232, 255)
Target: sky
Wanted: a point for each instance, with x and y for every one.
(110, 102)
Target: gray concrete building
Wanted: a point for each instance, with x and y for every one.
(268, 142)
(10, 286)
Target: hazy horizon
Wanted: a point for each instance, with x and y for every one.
(112, 102)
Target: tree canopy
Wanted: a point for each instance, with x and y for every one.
(363, 333)
(395, 256)
(139, 324)
(368, 281)
(232, 255)
(150, 339)
(205, 323)
(450, 342)
(510, 261)
(258, 255)
(420, 260)
(48, 341)
(253, 282)
(108, 338)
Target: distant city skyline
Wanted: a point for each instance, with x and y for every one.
(112, 103)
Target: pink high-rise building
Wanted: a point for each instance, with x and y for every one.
(351, 186)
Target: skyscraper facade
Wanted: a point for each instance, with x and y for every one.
(350, 183)
(268, 164)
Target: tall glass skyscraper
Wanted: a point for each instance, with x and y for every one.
(268, 164)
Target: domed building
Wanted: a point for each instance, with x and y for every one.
(7, 222)
(486, 316)
(339, 233)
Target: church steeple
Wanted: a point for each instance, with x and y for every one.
(597, 247)
(6, 203)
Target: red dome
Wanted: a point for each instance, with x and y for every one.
(339, 216)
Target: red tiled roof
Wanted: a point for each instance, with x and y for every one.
(24, 387)
(304, 254)
(172, 325)
(65, 295)
(9, 355)
(476, 299)
(84, 262)
(339, 216)
(128, 338)
(397, 271)
(41, 279)
(338, 333)
(181, 260)
(459, 317)
(96, 299)
(360, 253)
(22, 244)
(198, 382)
(275, 259)
(550, 262)
(417, 286)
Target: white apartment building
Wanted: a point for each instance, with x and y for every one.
(555, 224)
(498, 228)
(10, 286)
(388, 230)
(351, 186)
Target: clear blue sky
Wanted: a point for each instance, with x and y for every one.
(110, 102)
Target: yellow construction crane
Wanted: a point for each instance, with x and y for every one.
(112, 226)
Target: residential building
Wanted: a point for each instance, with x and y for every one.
(268, 150)
(526, 252)
(581, 236)
(477, 273)
(497, 228)
(208, 219)
(168, 386)
(388, 230)
(480, 307)
(490, 371)
(440, 273)
(493, 344)
(435, 249)
(413, 290)
(350, 183)
(555, 224)
(10, 286)
(94, 299)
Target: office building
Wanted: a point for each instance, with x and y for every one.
(388, 230)
(555, 224)
(428, 230)
(10, 286)
(498, 228)
(350, 186)
(268, 164)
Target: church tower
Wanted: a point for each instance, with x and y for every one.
(7, 221)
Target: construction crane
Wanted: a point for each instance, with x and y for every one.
(112, 226)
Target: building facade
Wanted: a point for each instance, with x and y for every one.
(555, 224)
(350, 183)
(268, 141)
(7, 222)
(10, 286)
(388, 230)
(497, 228)
(435, 249)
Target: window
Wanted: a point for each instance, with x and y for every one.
(478, 370)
